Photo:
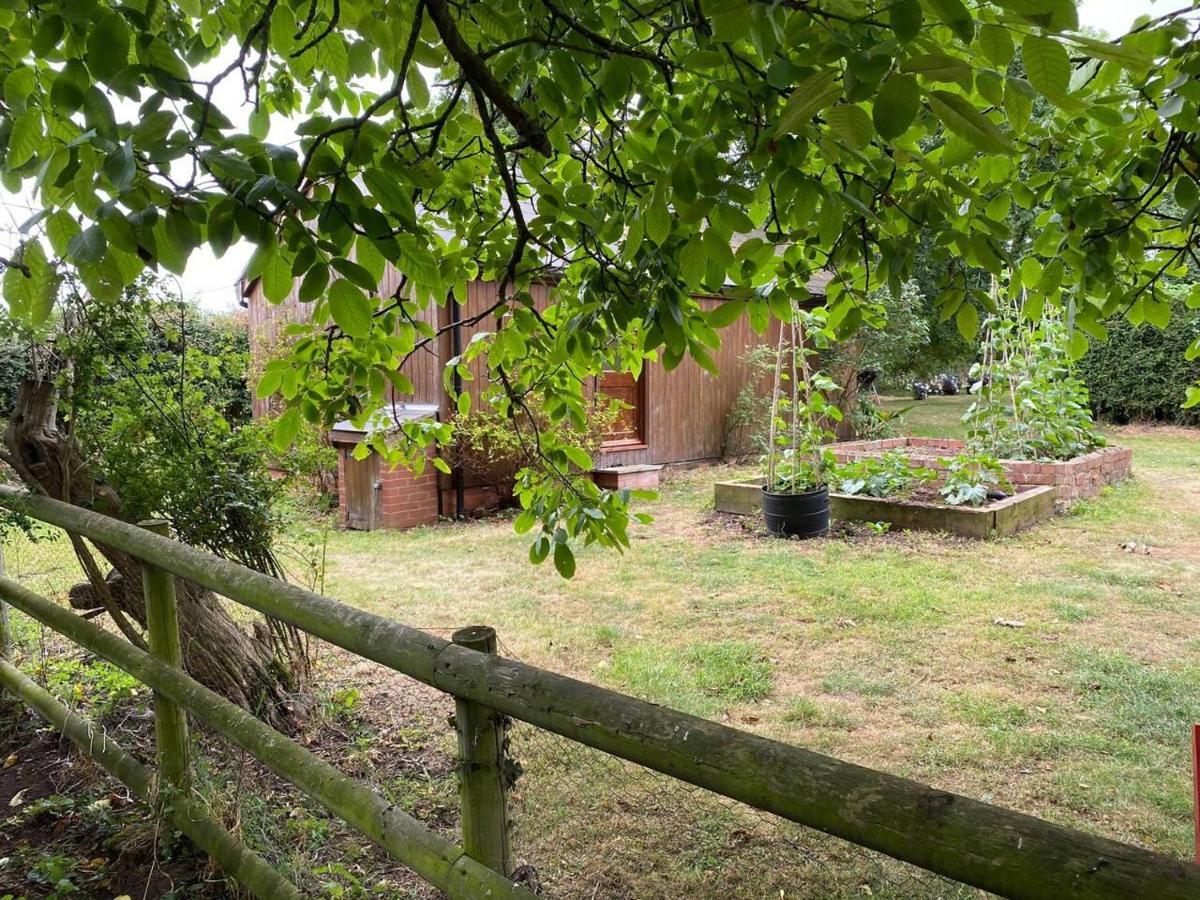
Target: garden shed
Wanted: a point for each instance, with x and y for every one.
(373, 495)
(675, 417)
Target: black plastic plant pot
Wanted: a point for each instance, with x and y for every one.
(797, 515)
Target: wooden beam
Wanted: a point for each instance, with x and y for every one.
(437, 860)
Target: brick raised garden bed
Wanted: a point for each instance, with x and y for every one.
(1026, 508)
(1080, 478)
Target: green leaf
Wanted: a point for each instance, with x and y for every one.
(896, 106)
(260, 121)
(351, 308)
(1018, 103)
(1047, 66)
(851, 124)
(539, 549)
(286, 428)
(967, 320)
(120, 166)
(726, 314)
(277, 277)
(938, 67)
(108, 47)
(905, 18)
(418, 91)
(1132, 58)
(1077, 346)
(24, 139)
(811, 96)
(658, 220)
(87, 246)
(356, 273)
(1186, 192)
(997, 44)
(956, 16)
(692, 261)
(963, 119)
(60, 228)
(564, 560)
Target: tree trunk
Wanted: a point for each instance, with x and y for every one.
(217, 652)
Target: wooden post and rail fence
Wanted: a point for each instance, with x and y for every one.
(979, 844)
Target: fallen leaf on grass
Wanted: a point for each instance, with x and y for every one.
(10, 761)
(18, 798)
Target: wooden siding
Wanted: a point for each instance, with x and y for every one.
(685, 409)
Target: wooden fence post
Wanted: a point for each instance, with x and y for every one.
(162, 625)
(482, 789)
(6, 638)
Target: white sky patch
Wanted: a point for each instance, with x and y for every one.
(213, 282)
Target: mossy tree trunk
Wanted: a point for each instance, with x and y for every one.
(253, 669)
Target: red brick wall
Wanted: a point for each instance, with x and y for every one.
(1076, 479)
(407, 500)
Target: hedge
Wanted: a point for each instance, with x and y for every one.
(1140, 373)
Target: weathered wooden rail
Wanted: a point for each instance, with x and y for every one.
(987, 846)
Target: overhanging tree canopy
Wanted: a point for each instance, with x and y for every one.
(618, 145)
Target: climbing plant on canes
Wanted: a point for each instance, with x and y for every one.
(797, 460)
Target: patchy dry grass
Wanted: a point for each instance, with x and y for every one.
(881, 650)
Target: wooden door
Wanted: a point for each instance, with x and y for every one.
(362, 499)
(630, 428)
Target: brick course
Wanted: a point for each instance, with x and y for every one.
(1075, 479)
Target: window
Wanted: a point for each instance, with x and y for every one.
(629, 431)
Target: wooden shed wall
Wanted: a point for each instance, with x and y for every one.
(686, 408)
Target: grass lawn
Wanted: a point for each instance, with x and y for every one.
(884, 651)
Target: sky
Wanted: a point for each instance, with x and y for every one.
(213, 282)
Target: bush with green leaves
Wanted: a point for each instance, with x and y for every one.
(492, 449)
(898, 347)
(968, 477)
(890, 474)
(1029, 402)
(1141, 373)
(161, 415)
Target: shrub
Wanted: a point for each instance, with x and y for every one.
(492, 449)
(309, 465)
(1140, 373)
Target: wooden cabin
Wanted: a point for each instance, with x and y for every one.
(673, 418)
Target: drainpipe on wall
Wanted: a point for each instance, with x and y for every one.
(456, 473)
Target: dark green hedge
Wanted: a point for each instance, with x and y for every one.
(1139, 374)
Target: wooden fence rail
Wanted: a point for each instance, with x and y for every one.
(987, 846)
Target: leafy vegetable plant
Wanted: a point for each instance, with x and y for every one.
(968, 478)
(889, 475)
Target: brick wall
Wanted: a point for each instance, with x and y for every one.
(1076, 479)
(407, 500)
